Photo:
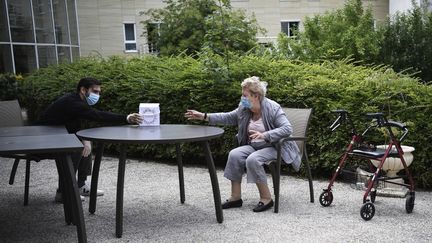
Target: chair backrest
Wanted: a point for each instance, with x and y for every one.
(299, 119)
(10, 114)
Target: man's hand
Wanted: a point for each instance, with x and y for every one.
(134, 118)
(87, 148)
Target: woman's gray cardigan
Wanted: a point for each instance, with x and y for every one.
(275, 122)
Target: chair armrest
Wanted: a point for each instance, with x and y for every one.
(24, 116)
(282, 140)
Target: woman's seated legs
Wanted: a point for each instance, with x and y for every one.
(235, 167)
(254, 164)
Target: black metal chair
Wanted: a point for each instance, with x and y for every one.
(299, 119)
(11, 115)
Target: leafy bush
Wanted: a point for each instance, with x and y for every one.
(9, 86)
(337, 34)
(204, 84)
(406, 43)
(402, 41)
(191, 25)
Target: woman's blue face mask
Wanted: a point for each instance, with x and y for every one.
(245, 102)
(92, 98)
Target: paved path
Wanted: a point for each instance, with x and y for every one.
(153, 212)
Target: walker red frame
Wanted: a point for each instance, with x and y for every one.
(367, 210)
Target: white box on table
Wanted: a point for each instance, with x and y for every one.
(150, 113)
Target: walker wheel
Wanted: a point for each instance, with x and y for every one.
(372, 195)
(326, 198)
(409, 203)
(367, 211)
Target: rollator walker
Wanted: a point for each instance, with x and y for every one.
(356, 149)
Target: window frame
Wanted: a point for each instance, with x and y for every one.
(130, 41)
(290, 21)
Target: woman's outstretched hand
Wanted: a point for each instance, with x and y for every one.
(194, 115)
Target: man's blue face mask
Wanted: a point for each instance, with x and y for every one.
(245, 102)
(92, 98)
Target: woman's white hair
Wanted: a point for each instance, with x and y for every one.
(255, 86)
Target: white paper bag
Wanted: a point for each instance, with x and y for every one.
(150, 113)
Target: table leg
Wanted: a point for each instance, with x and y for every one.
(74, 197)
(214, 181)
(120, 190)
(60, 163)
(95, 177)
(180, 172)
(27, 182)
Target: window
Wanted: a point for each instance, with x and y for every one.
(73, 25)
(4, 28)
(61, 25)
(130, 37)
(6, 65)
(25, 58)
(20, 21)
(46, 55)
(37, 33)
(63, 53)
(43, 21)
(290, 28)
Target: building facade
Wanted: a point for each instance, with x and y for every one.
(37, 33)
(112, 27)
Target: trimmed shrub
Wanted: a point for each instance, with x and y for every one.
(205, 84)
(9, 86)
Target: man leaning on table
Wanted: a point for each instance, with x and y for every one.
(70, 110)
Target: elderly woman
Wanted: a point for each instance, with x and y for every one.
(260, 122)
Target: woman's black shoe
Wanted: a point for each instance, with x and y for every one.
(261, 207)
(232, 204)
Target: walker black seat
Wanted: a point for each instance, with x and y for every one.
(378, 153)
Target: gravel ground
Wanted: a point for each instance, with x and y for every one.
(153, 212)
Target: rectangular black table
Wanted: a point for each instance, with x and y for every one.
(28, 131)
(163, 134)
(31, 131)
(60, 146)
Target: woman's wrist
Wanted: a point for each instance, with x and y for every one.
(205, 116)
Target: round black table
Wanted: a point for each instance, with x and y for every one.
(163, 134)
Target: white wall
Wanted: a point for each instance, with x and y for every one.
(400, 5)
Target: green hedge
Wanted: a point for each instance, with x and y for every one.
(208, 84)
(9, 86)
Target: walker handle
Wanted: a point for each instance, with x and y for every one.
(379, 116)
(400, 126)
(341, 118)
(340, 111)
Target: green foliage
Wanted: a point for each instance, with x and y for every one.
(342, 33)
(187, 26)
(9, 86)
(407, 42)
(402, 42)
(183, 82)
(228, 30)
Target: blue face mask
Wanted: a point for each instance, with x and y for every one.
(92, 98)
(245, 102)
